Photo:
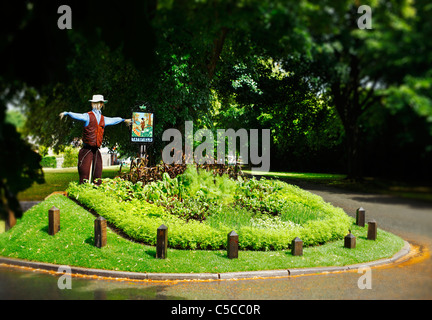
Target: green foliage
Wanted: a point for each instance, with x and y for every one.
(304, 70)
(140, 219)
(74, 246)
(199, 182)
(19, 165)
(16, 118)
(48, 162)
(200, 209)
(70, 157)
(189, 195)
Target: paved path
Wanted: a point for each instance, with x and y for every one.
(412, 220)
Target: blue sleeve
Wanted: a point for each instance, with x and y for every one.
(112, 121)
(79, 116)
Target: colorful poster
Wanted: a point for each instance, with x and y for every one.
(142, 127)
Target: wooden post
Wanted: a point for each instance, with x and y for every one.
(100, 232)
(162, 242)
(232, 247)
(10, 220)
(297, 247)
(350, 241)
(53, 221)
(360, 217)
(143, 150)
(372, 230)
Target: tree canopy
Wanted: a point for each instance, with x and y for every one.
(336, 97)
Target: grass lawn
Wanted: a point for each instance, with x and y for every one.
(73, 246)
(58, 180)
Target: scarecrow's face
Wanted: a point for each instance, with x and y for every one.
(97, 105)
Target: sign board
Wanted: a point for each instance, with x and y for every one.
(142, 127)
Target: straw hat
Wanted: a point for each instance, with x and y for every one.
(98, 98)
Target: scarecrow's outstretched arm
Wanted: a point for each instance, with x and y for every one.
(109, 121)
(84, 117)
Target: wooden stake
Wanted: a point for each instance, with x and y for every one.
(162, 242)
(297, 247)
(232, 247)
(350, 241)
(100, 232)
(53, 221)
(372, 230)
(360, 217)
(10, 221)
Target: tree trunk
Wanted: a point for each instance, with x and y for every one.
(217, 50)
(353, 153)
(350, 124)
(347, 103)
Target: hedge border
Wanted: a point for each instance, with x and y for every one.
(139, 219)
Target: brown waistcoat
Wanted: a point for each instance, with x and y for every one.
(93, 133)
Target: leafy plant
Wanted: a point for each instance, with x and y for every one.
(48, 162)
(200, 209)
(140, 171)
(70, 157)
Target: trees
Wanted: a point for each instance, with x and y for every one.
(409, 100)
(303, 69)
(358, 68)
(19, 166)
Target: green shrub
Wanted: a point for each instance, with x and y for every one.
(200, 210)
(73, 246)
(49, 162)
(70, 157)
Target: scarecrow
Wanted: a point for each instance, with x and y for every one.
(89, 157)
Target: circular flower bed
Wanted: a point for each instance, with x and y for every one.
(200, 209)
